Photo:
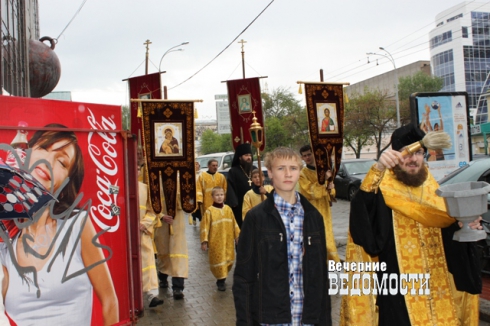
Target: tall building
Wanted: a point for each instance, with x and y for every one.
(460, 52)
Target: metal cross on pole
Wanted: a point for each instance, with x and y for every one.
(243, 56)
(147, 43)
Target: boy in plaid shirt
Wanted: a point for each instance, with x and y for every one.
(281, 275)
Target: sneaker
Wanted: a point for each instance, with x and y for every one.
(163, 284)
(178, 294)
(156, 301)
(221, 286)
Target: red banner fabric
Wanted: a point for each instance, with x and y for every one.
(243, 98)
(142, 87)
(76, 247)
(325, 106)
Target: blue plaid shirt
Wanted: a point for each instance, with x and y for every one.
(292, 216)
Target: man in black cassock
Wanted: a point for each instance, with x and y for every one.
(239, 180)
(397, 219)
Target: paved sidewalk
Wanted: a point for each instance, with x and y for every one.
(204, 305)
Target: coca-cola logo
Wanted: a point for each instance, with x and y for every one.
(102, 150)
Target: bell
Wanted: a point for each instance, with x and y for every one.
(44, 67)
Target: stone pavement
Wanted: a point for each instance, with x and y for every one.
(204, 305)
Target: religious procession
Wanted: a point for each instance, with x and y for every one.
(273, 246)
(122, 213)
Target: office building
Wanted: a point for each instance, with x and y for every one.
(460, 52)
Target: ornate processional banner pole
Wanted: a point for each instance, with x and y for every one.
(325, 107)
(168, 137)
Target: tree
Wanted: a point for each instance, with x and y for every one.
(286, 121)
(367, 118)
(212, 142)
(125, 117)
(418, 82)
(356, 135)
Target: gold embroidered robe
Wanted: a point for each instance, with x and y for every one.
(418, 215)
(318, 195)
(149, 220)
(251, 199)
(173, 258)
(219, 229)
(205, 184)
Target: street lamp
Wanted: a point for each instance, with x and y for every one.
(170, 50)
(390, 57)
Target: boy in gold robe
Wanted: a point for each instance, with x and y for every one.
(219, 234)
(253, 197)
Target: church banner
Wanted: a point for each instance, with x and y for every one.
(72, 258)
(243, 98)
(325, 106)
(168, 134)
(144, 87)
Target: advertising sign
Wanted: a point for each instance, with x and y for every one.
(223, 117)
(445, 111)
(67, 262)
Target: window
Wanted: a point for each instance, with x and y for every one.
(464, 31)
(454, 18)
(441, 39)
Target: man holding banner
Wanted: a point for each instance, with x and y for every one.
(320, 196)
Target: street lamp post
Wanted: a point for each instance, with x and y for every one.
(170, 50)
(390, 57)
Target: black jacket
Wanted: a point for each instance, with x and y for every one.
(261, 278)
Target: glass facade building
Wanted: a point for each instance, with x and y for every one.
(460, 53)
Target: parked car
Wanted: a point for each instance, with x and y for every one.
(478, 170)
(224, 160)
(350, 175)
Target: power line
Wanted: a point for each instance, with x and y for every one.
(76, 13)
(449, 14)
(233, 41)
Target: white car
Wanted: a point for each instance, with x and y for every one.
(224, 160)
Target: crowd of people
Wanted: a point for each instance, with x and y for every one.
(281, 239)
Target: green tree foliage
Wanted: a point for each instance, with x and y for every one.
(285, 120)
(126, 117)
(418, 82)
(356, 134)
(366, 118)
(212, 142)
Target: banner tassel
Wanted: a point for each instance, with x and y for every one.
(139, 114)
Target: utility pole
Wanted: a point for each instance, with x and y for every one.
(243, 57)
(147, 43)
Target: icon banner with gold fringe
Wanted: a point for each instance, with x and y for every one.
(168, 134)
(325, 107)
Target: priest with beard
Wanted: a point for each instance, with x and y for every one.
(397, 219)
(239, 180)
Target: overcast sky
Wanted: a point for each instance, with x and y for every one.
(292, 40)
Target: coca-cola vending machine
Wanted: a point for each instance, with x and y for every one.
(74, 261)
